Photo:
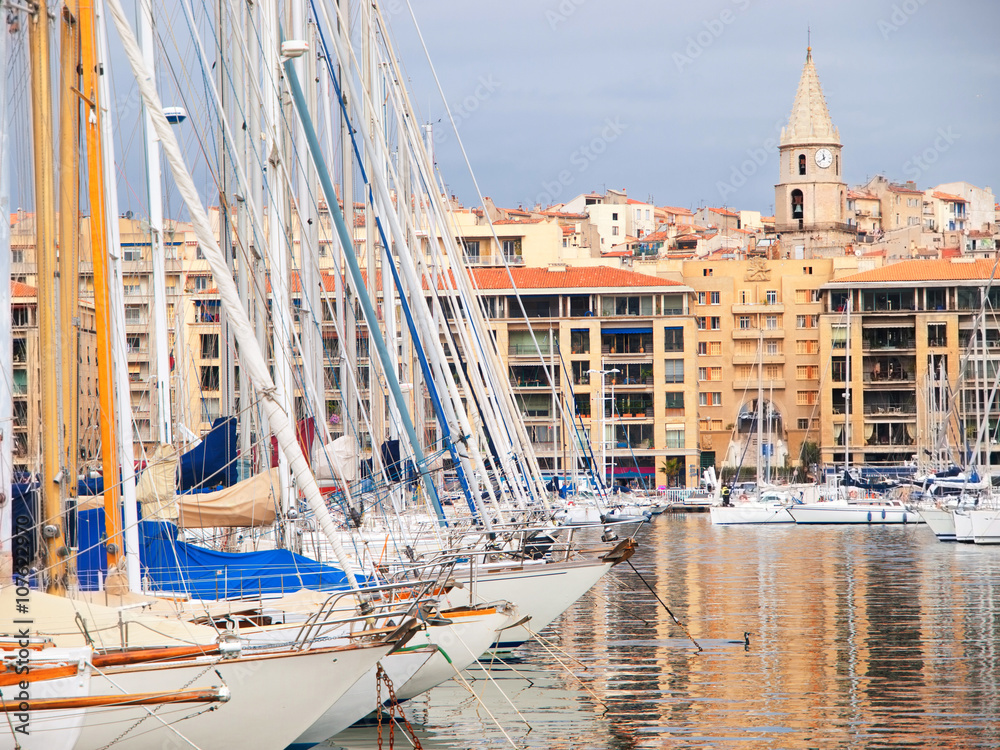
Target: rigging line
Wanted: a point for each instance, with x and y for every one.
(663, 604)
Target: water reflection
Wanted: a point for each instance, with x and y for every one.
(859, 637)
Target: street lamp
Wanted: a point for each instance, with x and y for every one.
(604, 443)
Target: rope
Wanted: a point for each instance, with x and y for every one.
(664, 605)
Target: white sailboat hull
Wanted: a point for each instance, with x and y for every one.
(725, 515)
(852, 513)
(963, 526)
(360, 700)
(941, 522)
(274, 697)
(539, 591)
(985, 526)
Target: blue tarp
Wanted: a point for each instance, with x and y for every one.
(177, 567)
(92, 557)
(213, 461)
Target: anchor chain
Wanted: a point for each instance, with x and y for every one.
(395, 710)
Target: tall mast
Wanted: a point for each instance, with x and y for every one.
(48, 303)
(69, 235)
(154, 192)
(102, 313)
(847, 391)
(6, 363)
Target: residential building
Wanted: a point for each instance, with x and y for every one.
(911, 367)
(634, 328)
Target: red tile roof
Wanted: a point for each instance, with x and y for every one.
(517, 221)
(904, 189)
(951, 252)
(923, 271)
(723, 212)
(17, 289)
(949, 197)
(676, 210)
(587, 277)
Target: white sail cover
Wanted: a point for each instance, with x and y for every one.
(157, 486)
(251, 502)
(338, 460)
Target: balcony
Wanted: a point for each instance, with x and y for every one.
(751, 385)
(759, 307)
(744, 334)
(752, 359)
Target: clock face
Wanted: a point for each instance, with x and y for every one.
(824, 158)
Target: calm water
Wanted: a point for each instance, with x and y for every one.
(859, 638)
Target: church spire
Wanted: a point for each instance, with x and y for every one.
(809, 122)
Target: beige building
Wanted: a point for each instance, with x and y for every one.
(909, 355)
(757, 327)
(591, 320)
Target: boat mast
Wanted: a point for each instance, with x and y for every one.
(99, 251)
(154, 192)
(56, 570)
(760, 397)
(69, 237)
(847, 391)
(6, 363)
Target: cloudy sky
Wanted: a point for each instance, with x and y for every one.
(683, 101)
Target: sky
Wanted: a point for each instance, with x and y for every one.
(683, 102)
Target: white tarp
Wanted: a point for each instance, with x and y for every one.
(338, 460)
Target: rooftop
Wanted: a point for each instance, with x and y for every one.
(568, 277)
(923, 271)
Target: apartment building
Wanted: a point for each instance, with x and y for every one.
(910, 372)
(603, 333)
(758, 357)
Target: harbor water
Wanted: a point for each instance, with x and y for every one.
(859, 637)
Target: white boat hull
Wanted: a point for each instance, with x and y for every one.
(985, 526)
(539, 591)
(852, 513)
(963, 527)
(274, 697)
(725, 515)
(941, 522)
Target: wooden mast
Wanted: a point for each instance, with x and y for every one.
(69, 236)
(48, 303)
(102, 306)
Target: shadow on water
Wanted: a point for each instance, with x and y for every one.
(874, 637)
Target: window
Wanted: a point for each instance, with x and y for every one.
(807, 269)
(614, 231)
(673, 340)
(772, 347)
(675, 402)
(838, 369)
(701, 322)
(209, 346)
(709, 373)
(674, 371)
(131, 253)
(744, 322)
(17, 256)
(771, 322)
(200, 283)
(802, 163)
(771, 372)
(803, 424)
(712, 398)
(132, 290)
(701, 298)
(512, 249)
(937, 334)
(707, 271)
(771, 296)
(805, 321)
(797, 204)
(714, 348)
(807, 372)
(702, 347)
(806, 398)
(133, 314)
(675, 438)
(716, 323)
(471, 248)
(746, 348)
(807, 347)
(745, 297)
(715, 298)
(801, 296)
(618, 306)
(614, 216)
(210, 378)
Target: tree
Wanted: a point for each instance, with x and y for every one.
(672, 467)
(809, 456)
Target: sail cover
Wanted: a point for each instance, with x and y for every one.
(175, 567)
(213, 461)
(251, 502)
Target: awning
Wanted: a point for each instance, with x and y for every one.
(627, 330)
(888, 324)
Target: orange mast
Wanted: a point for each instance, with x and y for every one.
(99, 248)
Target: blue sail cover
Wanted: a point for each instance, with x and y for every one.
(213, 461)
(173, 566)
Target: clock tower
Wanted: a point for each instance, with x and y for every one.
(810, 199)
